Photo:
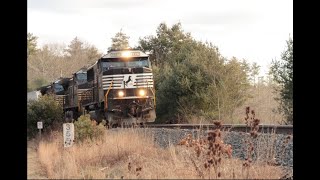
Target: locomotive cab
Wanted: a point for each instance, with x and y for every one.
(121, 83)
(127, 81)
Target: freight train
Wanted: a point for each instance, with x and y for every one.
(118, 88)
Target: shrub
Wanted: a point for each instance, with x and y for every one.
(86, 128)
(46, 110)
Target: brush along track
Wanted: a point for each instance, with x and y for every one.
(278, 129)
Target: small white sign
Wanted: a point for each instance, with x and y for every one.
(68, 134)
(39, 125)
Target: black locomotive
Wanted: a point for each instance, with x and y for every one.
(118, 88)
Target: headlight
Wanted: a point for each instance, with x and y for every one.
(142, 92)
(126, 54)
(120, 93)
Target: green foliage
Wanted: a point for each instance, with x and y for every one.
(120, 41)
(166, 42)
(75, 46)
(85, 128)
(282, 72)
(36, 83)
(192, 78)
(45, 110)
(31, 44)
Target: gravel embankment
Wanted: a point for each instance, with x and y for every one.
(267, 146)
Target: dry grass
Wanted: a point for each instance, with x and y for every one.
(261, 97)
(263, 102)
(35, 170)
(133, 155)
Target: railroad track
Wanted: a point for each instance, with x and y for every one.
(278, 129)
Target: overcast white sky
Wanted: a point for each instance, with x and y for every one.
(255, 30)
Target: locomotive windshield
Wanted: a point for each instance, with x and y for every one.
(140, 63)
(110, 65)
(121, 63)
(82, 77)
(58, 88)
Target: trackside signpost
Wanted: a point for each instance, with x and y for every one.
(68, 134)
(39, 126)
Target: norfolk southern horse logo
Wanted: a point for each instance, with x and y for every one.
(127, 81)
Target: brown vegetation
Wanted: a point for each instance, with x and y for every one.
(53, 61)
(34, 168)
(211, 157)
(263, 99)
(132, 154)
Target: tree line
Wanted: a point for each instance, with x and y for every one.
(193, 81)
(51, 61)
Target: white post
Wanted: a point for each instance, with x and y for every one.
(68, 134)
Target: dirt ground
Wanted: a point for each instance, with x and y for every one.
(35, 170)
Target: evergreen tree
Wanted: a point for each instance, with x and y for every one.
(120, 41)
(282, 71)
(31, 44)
